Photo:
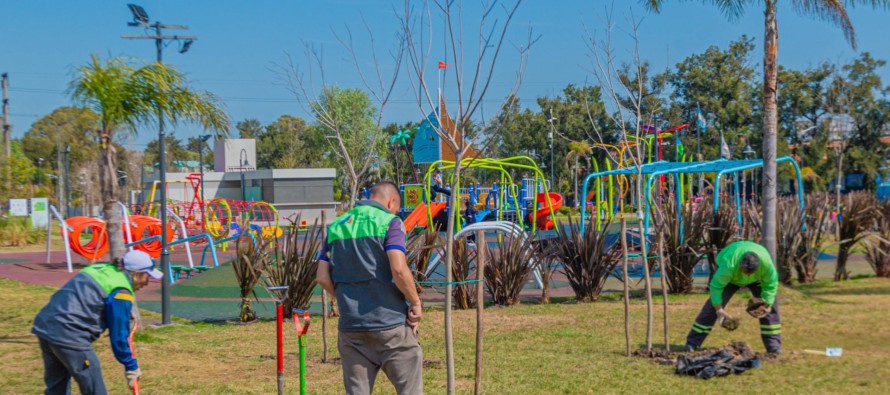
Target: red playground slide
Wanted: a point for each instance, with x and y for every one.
(542, 214)
(418, 217)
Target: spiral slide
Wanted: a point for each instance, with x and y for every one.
(418, 217)
(543, 213)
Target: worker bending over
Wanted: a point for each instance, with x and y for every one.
(100, 297)
(742, 264)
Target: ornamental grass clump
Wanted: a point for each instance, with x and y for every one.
(877, 247)
(295, 263)
(855, 221)
(818, 221)
(588, 258)
(684, 230)
(252, 255)
(509, 266)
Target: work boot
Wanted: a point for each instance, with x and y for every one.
(775, 351)
(689, 347)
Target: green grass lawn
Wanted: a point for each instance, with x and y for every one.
(529, 349)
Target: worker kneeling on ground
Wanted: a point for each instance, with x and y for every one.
(741, 264)
(99, 297)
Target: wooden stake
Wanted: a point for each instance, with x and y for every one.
(626, 285)
(664, 287)
(480, 304)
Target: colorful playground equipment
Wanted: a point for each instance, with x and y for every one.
(716, 169)
(88, 236)
(531, 203)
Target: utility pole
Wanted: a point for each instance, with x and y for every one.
(5, 83)
(550, 136)
(141, 20)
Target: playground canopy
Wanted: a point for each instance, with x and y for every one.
(718, 167)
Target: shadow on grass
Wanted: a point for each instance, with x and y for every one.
(815, 293)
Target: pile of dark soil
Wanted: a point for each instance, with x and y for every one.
(736, 357)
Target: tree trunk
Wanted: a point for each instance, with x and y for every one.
(108, 188)
(664, 287)
(545, 290)
(840, 270)
(645, 256)
(770, 127)
(480, 304)
(625, 281)
(449, 266)
(247, 313)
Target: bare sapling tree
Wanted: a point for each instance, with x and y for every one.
(624, 86)
(352, 120)
(472, 76)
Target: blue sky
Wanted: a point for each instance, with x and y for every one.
(240, 42)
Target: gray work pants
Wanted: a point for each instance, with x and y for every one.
(60, 364)
(396, 351)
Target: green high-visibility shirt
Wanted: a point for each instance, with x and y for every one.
(729, 272)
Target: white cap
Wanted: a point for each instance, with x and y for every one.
(139, 261)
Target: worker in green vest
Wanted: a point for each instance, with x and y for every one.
(100, 297)
(749, 265)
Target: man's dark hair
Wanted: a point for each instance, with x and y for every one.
(386, 188)
(750, 262)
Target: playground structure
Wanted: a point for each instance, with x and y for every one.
(718, 168)
(142, 232)
(531, 204)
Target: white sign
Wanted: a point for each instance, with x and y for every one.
(18, 207)
(39, 212)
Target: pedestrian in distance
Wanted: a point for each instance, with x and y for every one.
(741, 264)
(363, 263)
(100, 297)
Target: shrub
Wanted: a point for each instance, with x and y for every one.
(684, 242)
(17, 232)
(856, 220)
(250, 260)
(587, 259)
(509, 266)
(877, 247)
(813, 238)
(295, 263)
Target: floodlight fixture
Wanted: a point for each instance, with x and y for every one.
(185, 46)
(748, 150)
(205, 137)
(139, 14)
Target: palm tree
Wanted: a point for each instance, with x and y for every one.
(126, 97)
(834, 11)
(577, 149)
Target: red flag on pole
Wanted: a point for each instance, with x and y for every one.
(443, 65)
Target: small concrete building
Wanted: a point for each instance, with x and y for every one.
(306, 191)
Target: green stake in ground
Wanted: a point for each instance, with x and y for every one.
(302, 328)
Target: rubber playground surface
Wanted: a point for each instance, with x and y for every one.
(214, 295)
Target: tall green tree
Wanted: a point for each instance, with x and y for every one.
(126, 97)
(721, 83)
(346, 117)
(833, 11)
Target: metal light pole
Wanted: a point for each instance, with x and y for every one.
(140, 19)
(67, 181)
(242, 157)
(39, 171)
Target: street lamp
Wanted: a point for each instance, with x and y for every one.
(39, 171)
(242, 158)
(67, 180)
(140, 19)
(838, 129)
(749, 153)
(202, 140)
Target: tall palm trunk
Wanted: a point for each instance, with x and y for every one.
(108, 188)
(770, 127)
